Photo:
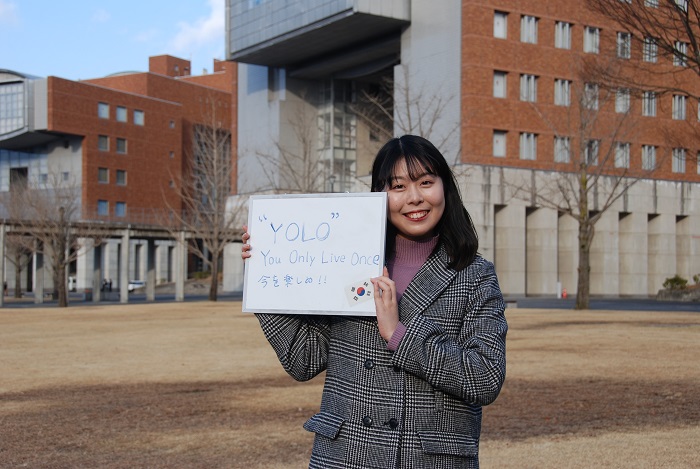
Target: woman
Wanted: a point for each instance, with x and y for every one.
(405, 390)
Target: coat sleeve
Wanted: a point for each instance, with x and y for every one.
(472, 365)
(300, 342)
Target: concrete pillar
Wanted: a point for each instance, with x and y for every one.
(150, 270)
(39, 270)
(509, 247)
(662, 250)
(541, 251)
(233, 268)
(124, 267)
(604, 256)
(3, 279)
(633, 253)
(97, 275)
(567, 253)
(688, 246)
(180, 266)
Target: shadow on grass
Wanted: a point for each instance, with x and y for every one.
(257, 424)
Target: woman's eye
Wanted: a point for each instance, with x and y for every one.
(426, 182)
(397, 187)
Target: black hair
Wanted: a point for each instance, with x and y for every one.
(455, 228)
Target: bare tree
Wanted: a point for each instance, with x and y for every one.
(46, 215)
(662, 30)
(19, 255)
(205, 186)
(400, 106)
(295, 166)
(592, 128)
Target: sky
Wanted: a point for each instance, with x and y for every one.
(82, 39)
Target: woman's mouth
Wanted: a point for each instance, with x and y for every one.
(417, 216)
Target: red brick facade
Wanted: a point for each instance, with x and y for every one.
(155, 151)
(482, 113)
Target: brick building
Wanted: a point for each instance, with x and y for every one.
(505, 79)
(123, 139)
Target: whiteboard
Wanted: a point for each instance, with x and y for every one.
(314, 253)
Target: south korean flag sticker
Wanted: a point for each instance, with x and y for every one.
(360, 292)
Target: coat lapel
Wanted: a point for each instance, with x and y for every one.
(430, 281)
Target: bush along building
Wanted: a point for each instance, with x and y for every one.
(572, 150)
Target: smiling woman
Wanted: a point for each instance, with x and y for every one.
(406, 390)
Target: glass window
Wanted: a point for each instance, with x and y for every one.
(648, 157)
(121, 114)
(120, 209)
(622, 155)
(103, 143)
(592, 150)
(103, 175)
(622, 100)
(624, 45)
(650, 50)
(590, 96)
(528, 88)
(499, 143)
(528, 29)
(649, 104)
(591, 40)
(139, 118)
(500, 25)
(562, 92)
(103, 110)
(102, 207)
(680, 53)
(562, 35)
(12, 110)
(121, 177)
(528, 146)
(499, 84)
(679, 102)
(678, 160)
(562, 149)
(121, 145)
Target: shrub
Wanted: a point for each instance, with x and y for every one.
(675, 283)
(696, 279)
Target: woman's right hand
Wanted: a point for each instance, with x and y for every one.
(245, 250)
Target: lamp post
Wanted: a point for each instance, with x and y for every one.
(331, 179)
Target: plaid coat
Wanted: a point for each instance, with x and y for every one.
(418, 407)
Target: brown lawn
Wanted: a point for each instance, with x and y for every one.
(195, 385)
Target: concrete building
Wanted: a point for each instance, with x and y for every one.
(123, 141)
(495, 86)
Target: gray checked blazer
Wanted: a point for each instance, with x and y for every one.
(417, 407)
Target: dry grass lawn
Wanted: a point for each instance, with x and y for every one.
(195, 385)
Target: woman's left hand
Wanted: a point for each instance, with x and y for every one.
(386, 304)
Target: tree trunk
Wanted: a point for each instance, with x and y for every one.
(18, 275)
(583, 288)
(214, 279)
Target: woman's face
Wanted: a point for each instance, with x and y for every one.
(415, 206)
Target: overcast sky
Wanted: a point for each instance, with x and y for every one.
(79, 39)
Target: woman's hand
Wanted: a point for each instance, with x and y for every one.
(386, 304)
(245, 250)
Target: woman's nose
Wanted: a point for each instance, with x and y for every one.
(414, 194)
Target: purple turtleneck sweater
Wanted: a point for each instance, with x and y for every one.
(409, 257)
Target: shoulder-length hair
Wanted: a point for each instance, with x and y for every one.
(455, 228)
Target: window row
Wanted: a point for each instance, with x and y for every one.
(562, 152)
(103, 208)
(121, 114)
(563, 90)
(103, 176)
(591, 38)
(103, 144)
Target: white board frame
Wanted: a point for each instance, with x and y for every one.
(341, 236)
